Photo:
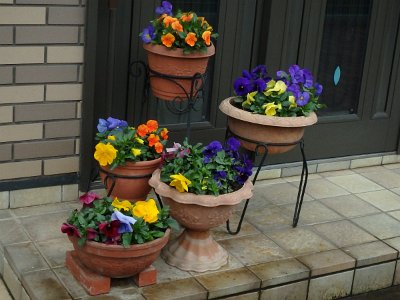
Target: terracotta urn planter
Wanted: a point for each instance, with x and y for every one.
(173, 63)
(195, 249)
(131, 180)
(265, 129)
(115, 261)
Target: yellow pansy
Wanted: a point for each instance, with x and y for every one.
(180, 182)
(111, 137)
(139, 140)
(279, 87)
(250, 98)
(136, 151)
(122, 205)
(105, 154)
(147, 210)
(292, 101)
(270, 108)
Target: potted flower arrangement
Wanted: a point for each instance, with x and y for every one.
(127, 156)
(116, 238)
(178, 46)
(201, 185)
(271, 110)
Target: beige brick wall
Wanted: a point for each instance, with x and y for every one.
(41, 66)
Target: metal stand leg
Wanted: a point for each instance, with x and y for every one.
(302, 186)
(263, 148)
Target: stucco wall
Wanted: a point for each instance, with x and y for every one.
(41, 75)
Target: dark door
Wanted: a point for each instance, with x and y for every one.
(358, 37)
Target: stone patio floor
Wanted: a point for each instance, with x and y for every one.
(347, 242)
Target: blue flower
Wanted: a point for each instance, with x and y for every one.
(165, 8)
(102, 126)
(281, 74)
(308, 79)
(242, 86)
(246, 74)
(114, 123)
(126, 221)
(219, 175)
(148, 34)
(296, 74)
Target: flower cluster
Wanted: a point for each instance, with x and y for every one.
(119, 143)
(117, 222)
(292, 93)
(211, 170)
(183, 30)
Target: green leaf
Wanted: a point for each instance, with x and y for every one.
(81, 241)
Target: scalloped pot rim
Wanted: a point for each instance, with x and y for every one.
(227, 108)
(245, 192)
(178, 52)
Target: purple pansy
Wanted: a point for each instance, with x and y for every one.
(212, 149)
(259, 72)
(232, 144)
(302, 98)
(165, 8)
(308, 79)
(69, 229)
(125, 221)
(219, 175)
(88, 198)
(296, 74)
(242, 86)
(148, 34)
(246, 74)
(260, 84)
(318, 88)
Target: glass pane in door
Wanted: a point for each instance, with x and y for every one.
(343, 48)
(165, 111)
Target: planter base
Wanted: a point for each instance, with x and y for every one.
(195, 251)
(96, 284)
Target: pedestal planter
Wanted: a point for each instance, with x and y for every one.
(265, 129)
(129, 182)
(172, 73)
(195, 249)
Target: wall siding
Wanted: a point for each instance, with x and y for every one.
(41, 58)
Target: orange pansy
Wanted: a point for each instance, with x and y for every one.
(142, 130)
(162, 17)
(168, 40)
(187, 17)
(153, 139)
(164, 134)
(177, 26)
(191, 39)
(206, 37)
(159, 147)
(152, 125)
(168, 20)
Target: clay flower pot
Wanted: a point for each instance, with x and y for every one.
(195, 249)
(132, 189)
(265, 129)
(172, 62)
(115, 261)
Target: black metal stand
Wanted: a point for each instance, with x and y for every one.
(262, 148)
(197, 82)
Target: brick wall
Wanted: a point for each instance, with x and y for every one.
(41, 57)
(41, 68)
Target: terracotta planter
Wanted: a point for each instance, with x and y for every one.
(195, 249)
(172, 62)
(115, 261)
(132, 189)
(265, 129)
